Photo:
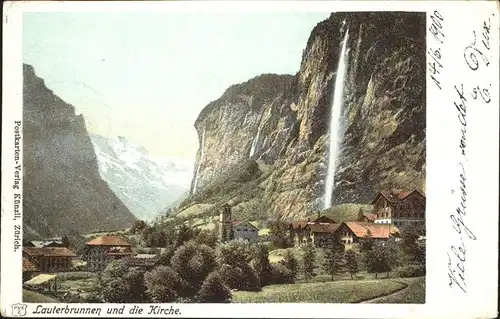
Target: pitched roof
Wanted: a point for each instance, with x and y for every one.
(40, 279)
(394, 195)
(323, 227)
(241, 222)
(375, 230)
(49, 251)
(108, 241)
(28, 265)
(297, 224)
(324, 219)
(370, 216)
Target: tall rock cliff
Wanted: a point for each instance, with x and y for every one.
(263, 144)
(62, 188)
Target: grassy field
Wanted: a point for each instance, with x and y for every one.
(31, 296)
(414, 294)
(349, 291)
(76, 281)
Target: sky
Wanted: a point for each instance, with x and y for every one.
(146, 76)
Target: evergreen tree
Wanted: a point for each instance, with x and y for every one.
(290, 262)
(409, 244)
(351, 262)
(65, 241)
(309, 257)
(377, 260)
(332, 263)
(261, 264)
(367, 242)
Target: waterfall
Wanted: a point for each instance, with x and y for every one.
(202, 146)
(337, 125)
(255, 143)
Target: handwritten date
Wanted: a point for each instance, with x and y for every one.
(435, 66)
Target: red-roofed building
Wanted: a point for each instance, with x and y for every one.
(103, 249)
(49, 259)
(351, 233)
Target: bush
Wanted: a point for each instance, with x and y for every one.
(213, 290)
(412, 271)
(232, 276)
(119, 284)
(163, 284)
(193, 262)
(280, 275)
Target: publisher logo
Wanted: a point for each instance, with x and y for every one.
(19, 309)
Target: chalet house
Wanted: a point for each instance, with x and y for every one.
(230, 229)
(351, 234)
(401, 208)
(101, 250)
(319, 232)
(49, 259)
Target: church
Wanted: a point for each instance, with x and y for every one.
(230, 229)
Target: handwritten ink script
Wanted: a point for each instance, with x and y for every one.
(435, 65)
(477, 58)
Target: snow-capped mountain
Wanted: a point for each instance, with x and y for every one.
(145, 184)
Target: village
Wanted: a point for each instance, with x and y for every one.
(50, 264)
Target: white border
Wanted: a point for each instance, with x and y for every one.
(443, 134)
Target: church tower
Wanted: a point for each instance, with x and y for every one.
(225, 225)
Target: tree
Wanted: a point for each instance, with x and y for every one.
(234, 259)
(261, 264)
(367, 242)
(65, 241)
(351, 262)
(119, 284)
(409, 244)
(308, 261)
(207, 237)
(278, 234)
(163, 284)
(332, 263)
(135, 278)
(193, 262)
(183, 234)
(213, 290)
(138, 226)
(290, 262)
(377, 260)
(280, 274)
(163, 259)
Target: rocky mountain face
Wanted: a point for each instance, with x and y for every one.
(63, 191)
(265, 141)
(145, 184)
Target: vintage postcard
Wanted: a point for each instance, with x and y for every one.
(287, 159)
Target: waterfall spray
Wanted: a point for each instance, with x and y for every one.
(255, 143)
(202, 146)
(337, 125)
